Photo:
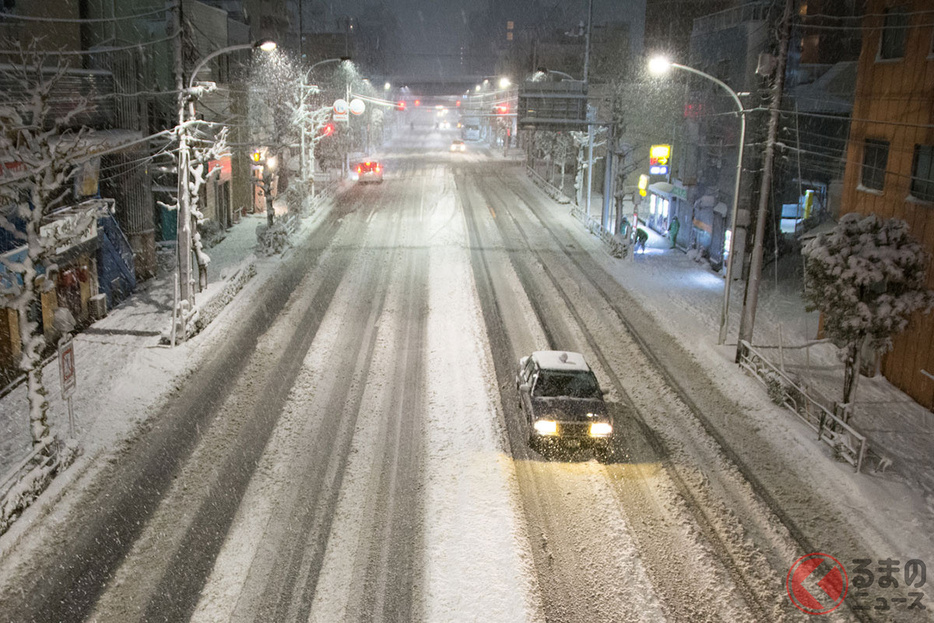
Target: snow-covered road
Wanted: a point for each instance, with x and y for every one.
(350, 448)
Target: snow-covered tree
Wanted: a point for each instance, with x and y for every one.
(866, 277)
(204, 149)
(40, 149)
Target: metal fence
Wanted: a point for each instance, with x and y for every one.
(816, 411)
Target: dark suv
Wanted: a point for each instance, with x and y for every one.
(563, 402)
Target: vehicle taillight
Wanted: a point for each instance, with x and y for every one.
(359, 169)
(377, 168)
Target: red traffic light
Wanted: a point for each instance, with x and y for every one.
(457, 103)
(400, 105)
(418, 102)
(328, 129)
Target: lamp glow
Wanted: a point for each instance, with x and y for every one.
(268, 46)
(659, 65)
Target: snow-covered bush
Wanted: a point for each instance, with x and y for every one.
(866, 277)
(272, 240)
(212, 233)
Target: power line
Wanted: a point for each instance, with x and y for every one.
(62, 20)
(98, 50)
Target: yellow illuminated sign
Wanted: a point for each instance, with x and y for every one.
(643, 184)
(658, 159)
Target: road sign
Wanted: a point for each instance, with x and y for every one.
(66, 366)
(357, 107)
(552, 106)
(341, 108)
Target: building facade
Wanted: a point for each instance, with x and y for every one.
(890, 156)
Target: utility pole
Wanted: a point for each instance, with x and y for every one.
(302, 160)
(590, 119)
(750, 300)
(183, 214)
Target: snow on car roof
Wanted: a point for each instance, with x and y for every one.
(560, 360)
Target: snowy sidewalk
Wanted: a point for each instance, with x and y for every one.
(686, 298)
(119, 358)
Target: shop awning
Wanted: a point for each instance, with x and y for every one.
(670, 190)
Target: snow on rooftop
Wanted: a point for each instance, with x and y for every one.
(560, 360)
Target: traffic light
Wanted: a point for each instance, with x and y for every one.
(400, 105)
(328, 129)
(418, 102)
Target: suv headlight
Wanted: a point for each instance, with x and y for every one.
(546, 427)
(600, 429)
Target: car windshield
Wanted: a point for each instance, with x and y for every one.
(569, 384)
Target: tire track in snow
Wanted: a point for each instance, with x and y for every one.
(766, 523)
(576, 553)
(94, 542)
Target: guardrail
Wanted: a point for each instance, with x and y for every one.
(848, 443)
(550, 189)
(615, 246)
(25, 482)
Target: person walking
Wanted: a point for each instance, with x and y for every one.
(673, 228)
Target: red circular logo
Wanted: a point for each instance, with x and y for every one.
(817, 583)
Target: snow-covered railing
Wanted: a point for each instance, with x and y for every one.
(26, 481)
(615, 246)
(847, 442)
(550, 189)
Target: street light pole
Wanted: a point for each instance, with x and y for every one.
(659, 65)
(183, 216)
(303, 157)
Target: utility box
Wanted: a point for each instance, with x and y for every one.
(97, 306)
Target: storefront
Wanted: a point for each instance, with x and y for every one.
(666, 201)
(709, 227)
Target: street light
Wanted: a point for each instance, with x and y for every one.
(660, 65)
(504, 83)
(303, 165)
(183, 217)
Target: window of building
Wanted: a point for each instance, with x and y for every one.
(922, 173)
(875, 159)
(894, 33)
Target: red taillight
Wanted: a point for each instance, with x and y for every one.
(377, 168)
(359, 169)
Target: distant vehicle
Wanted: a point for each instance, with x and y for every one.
(445, 125)
(458, 145)
(369, 171)
(471, 129)
(563, 403)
